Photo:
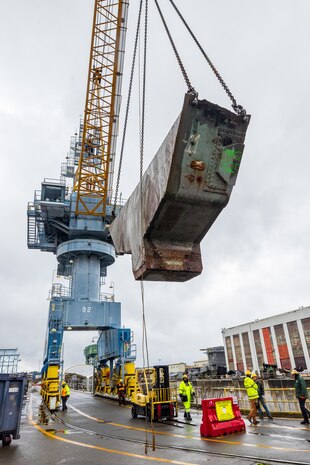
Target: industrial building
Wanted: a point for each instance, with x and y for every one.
(282, 340)
(215, 356)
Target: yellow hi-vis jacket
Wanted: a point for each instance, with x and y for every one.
(186, 390)
(65, 391)
(251, 388)
(120, 387)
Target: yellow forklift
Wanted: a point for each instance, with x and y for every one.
(153, 397)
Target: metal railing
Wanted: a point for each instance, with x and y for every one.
(59, 290)
(280, 400)
(107, 297)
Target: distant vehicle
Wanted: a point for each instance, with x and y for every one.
(215, 371)
(176, 376)
(269, 371)
(193, 373)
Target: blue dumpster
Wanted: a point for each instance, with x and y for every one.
(12, 389)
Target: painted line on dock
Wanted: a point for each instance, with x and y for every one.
(145, 457)
(103, 449)
(222, 441)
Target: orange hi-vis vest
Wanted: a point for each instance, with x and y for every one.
(65, 391)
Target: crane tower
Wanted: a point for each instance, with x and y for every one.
(71, 220)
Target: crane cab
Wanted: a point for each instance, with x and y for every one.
(153, 397)
(53, 199)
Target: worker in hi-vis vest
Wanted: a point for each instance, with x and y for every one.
(121, 392)
(186, 393)
(65, 393)
(252, 392)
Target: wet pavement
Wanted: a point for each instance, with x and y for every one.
(96, 430)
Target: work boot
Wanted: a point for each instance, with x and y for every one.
(189, 416)
(185, 414)
(250, 419)
(256, 422)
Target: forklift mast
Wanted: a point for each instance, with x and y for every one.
(161, 376)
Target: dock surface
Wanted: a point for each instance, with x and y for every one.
(97, 430)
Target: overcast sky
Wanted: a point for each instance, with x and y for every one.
(256, 256)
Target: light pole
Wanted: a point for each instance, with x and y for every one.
(93, 363)
(62, 362)
(53, 276)
(112, 287)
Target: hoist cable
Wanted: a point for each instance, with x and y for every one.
(145, 350)
(142, 129)
(128, 105)
(142, 133)
(237, 108)
(190, 88)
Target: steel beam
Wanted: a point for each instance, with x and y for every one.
(186, 186)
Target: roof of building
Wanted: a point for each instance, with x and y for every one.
(258, 322)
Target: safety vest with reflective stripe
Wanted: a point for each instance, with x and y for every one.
(65, 391)
(251, 388)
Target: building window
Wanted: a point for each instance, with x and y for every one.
(282, 347)
(229, 353)
(238, 353)
(247, 351)
(259, 349)
(296, 345)
(306, 327)
(271, 359)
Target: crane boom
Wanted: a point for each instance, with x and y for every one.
(94, 175)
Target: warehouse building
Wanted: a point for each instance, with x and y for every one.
(282, 340)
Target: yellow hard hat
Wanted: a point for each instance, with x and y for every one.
(185, 376)
(248, 372)
(63, 383)
(253, 375)
(294, 372)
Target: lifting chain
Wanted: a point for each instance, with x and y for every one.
(145, 349)
(237, 108)
(190, 88)
(142, 131)
(127, 108)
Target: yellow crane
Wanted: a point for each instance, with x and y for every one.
(93, 179)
